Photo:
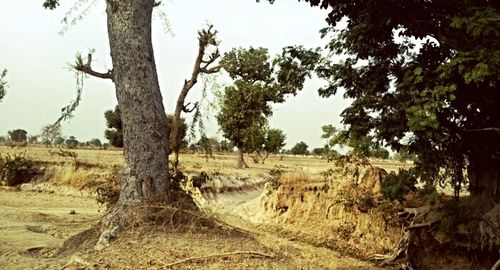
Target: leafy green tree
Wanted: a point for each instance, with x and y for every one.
(359, 146)
(207, 146)
(59, 140)
(319, 151)
(3, 84)
(258, 82)
(226, 146)
(380, 152)
(273, 142)
(33, 139)
(440, 96)
(114, 133)
(300, 148)
(95, 142)
(18, 135)
(71, 142)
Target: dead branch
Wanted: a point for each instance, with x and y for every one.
(87, 69)
(251, 253)
(206, 38)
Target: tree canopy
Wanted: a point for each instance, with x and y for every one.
(18, 135)
(422, 73)
(300, 148)
(114, 132)
(258, 82)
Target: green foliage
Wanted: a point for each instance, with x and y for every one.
(95, 142)
(399, 184)
(3, 84)
(114, 133)
(300, 148)
(362, 146)
(429, 195)
(59, 140)
(380, 152)
(71, 142)
(319, 151)
(258, 82)
(226, 146)
(18, 135)
(274, 141)
(17, 169)
(428, 79)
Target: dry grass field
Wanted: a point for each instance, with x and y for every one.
(36, 224)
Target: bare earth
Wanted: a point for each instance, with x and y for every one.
(34, 224)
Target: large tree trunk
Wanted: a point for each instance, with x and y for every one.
(484, 181)
(145, 179)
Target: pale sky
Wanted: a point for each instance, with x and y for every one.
(40, 83)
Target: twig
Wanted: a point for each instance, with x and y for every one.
(421, 225)
(254, 253)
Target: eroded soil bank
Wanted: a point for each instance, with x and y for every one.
(34, 224)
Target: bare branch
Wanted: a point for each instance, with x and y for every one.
(186, 110)
(87, 69)
(211, 70)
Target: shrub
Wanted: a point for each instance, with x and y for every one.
(17, 169)
(276, 174)
(398, 185)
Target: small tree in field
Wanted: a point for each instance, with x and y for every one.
(258, 82)
(300, 149)
(18, 135)
(114, 133)
(273, 143)
(95, 142)
(71, 142)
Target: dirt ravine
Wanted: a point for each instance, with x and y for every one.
(34, 224)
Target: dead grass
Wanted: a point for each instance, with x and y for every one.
(336, 215)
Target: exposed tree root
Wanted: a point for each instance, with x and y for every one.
(251, 253)
(401, 254)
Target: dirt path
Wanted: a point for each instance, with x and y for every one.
(32, 225)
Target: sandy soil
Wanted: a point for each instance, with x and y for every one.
(33, 225)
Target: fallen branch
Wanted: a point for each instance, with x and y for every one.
(253, 253)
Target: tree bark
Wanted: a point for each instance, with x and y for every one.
(240, 164)
(145, 177)
(484, 181)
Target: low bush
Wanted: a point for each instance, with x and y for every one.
(398, 185)
(17, 169)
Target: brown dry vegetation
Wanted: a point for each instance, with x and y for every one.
(154, 246)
